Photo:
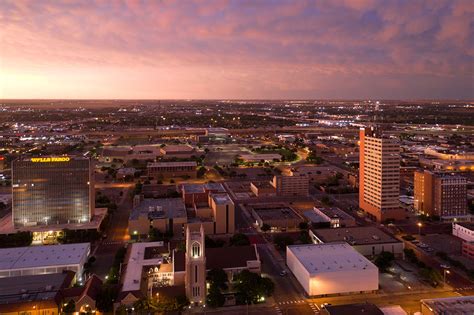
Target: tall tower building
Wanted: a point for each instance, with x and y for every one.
(52, 190)
(195, 278)
(379, 175)
(440, 194)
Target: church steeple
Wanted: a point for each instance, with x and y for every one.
(195, 279)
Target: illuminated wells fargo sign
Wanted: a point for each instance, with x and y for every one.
(50, 159)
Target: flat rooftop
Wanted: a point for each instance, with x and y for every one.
(177, 148)
(201, 188)
(7, 227)
(262, 185)
(358, 235)
(453, 305)
(335, 213)
(333, 257)
(261, 156)
(221, 199)
(230, 257)
(43, 256)
(274, 212)
(467, 225)
(172, 164)
(33, 288)
(137, 260)
(159, 208)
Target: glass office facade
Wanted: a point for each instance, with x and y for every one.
(52, 190)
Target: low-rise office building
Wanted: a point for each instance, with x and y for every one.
(34, 260)
(160, 170)
(199, 193)
(367, 240)
(334, 216)
(216, 213)
(465, 231)
(334, 268)
(167, 215)
(177, 151)
(440, 194)
(265, 157)
(296, 185)
(450, 305)
(278, 216)
(262, 189)
(223, 213)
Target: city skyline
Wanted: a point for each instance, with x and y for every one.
(236, 50)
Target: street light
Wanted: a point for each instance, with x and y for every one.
(419, 228)
(445, 272)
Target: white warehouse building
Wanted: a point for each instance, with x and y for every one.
(37, 260)
(331, 268)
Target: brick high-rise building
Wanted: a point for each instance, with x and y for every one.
(379, 175)
(440, 194)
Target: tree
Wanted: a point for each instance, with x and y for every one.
(326, 201)
(282, 241)
(211, 243)
(239, 239)
(410, 255)
(215, 298)
(106, 298)
(431, 275)
(70, 307)
(19, 239)
(217, 282)
(251, 287)
(384, 261)
(218, 277)
(303, 225)
(304, 237)
(201, 172)
(142, 306)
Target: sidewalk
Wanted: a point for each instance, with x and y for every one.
(242, 309)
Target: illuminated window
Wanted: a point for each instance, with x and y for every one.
(196, 250)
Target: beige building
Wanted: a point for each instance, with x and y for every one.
(278, 216)
(167, 215)
(177, 151)
(441, 194)
(262, 189)
(295, 185)
(172, 169)
(379, 175)
(223, 212)
(172, 215)
(367, 240)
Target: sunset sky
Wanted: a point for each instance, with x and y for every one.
(236, 49)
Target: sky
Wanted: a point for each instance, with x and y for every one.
(247, 49)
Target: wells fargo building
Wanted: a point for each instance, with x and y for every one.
(52, 190)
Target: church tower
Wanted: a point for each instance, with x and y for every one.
(195, 279)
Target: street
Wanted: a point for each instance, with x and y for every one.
(117, 235)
